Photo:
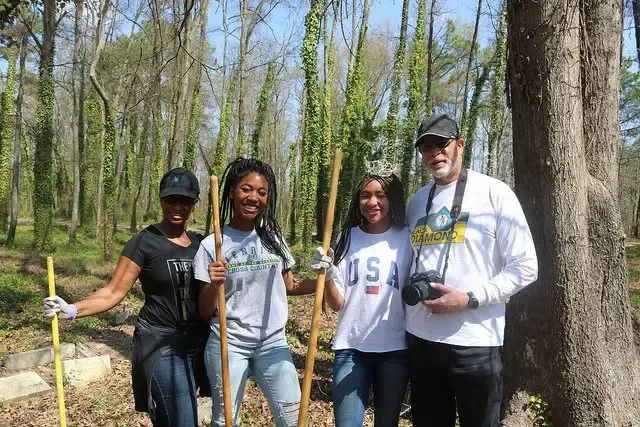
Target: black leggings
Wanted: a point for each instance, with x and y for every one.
(443, 375)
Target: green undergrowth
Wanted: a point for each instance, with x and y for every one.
(79, 271)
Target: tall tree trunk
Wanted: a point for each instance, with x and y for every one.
(294, 183)
(195, 114)
(472, 121)
(181, 117)
(143, 192)
(78, 132)
(497, 86)
(17, 146)
(636, 23)
(428, 105)
(151, 208)
(312, 136)
(392, 146)
(43, 156)
(90, 163)
(220, 155)
(424, 175)
(249, 19)
(109, 140)
(415, 89)
(636, 224)
(240, 69)
(7, 135)
(354, 144)
(472, 53)
(264, 104)
(569, 336)
(324, 154)
(84, 179)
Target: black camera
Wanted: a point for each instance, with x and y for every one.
(419, 287)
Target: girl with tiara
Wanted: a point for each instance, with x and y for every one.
(364, 285)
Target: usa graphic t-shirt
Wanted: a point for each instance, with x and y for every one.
(255, 293)
(492, 254)
(166, 277)
(373, 273)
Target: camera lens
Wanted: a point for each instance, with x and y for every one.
(412, 294)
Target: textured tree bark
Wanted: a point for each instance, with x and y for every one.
(78, 133)
(108, 141)
(393, 146)
(635, 4)
(472, 52)
(43, 154)
(569, 337)
(17, 142)
(185, 62)
(636, 226)
(428, 104)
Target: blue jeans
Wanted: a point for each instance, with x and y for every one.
(355, 373)
(271, 366)
(173, 389)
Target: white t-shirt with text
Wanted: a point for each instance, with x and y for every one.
(255, 293)
(492, 254)
(372, 275)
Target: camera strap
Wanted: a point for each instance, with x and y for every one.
(455, 212)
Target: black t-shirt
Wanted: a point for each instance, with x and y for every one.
(166, 278)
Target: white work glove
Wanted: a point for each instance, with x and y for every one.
(319, 261)
(55, 304)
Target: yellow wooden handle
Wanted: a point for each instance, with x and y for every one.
(222, 309)
(317, 303)
(56, 346)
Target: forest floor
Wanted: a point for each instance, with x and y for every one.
(79, 271)
(109, 402)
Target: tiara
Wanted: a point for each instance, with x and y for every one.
(382, 167)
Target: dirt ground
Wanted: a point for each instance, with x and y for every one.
(109, 402)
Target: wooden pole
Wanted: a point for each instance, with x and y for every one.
(222, 310)
(56, 346)
(317, 303)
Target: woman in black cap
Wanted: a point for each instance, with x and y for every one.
(168, 331)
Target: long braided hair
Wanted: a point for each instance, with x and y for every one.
(266, 224)
(394, 191)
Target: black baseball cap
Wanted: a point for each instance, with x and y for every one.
(439, 125)
(180, 182)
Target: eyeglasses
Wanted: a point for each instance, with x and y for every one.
(440, 144)
(182, 200)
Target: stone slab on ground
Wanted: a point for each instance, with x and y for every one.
(84, 351)
(32, 358)
(21, 386)
(80, 372)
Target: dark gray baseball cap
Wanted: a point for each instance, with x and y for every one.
(180, 182)
(439, 125)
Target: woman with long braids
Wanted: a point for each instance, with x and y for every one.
(256, 275)
(364, 284)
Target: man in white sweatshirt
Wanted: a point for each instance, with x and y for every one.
(468, 228)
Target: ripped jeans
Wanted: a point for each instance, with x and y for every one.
(272, 368)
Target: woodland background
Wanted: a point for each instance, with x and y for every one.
(100, 98)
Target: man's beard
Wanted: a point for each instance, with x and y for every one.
(444, 172)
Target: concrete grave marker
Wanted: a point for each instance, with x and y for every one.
(80, 372)
(21, 386)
